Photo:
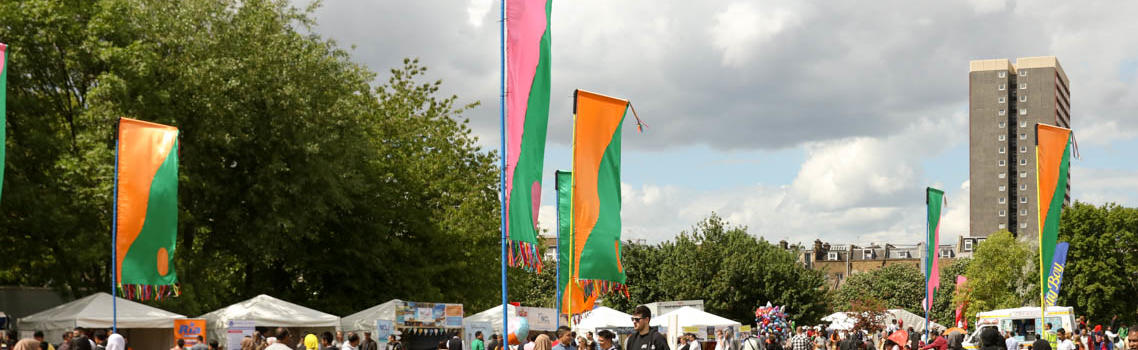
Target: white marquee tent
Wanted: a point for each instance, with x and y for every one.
(145, 327)
(688, 316)
(909, 319)
(603, 317)
(266, 311)
(365, 320)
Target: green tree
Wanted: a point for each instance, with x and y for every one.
(298, 177)
(1100, 280)
(897, 286)
(1000, 275)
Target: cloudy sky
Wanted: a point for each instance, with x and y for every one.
(800, 119)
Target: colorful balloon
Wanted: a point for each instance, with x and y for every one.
(519, 329)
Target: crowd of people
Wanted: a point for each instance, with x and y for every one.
(77, 339)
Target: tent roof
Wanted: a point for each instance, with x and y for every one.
(840, 321)
(691, 317)
(910, 319)
(492, 315)
(95, 311)
(267, 311)
(365, 320)
(604, 317)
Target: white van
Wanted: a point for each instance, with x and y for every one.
(1024, 320)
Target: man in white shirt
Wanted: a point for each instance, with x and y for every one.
(282, 338)
(352, 343)
(1065, 342)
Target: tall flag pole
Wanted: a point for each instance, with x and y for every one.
(3, 108)
(935, 201)
(524, 108)
(596, 198)
(502, 173)
(146, 210)
(1053, 147)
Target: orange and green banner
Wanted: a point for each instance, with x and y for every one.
(571, 292)
(3, 108)
(146, 205)
(596, 199)
(527, 118)
(1053, 161)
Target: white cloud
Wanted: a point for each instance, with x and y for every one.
(742, 26)
(477, 11)
(988, 6)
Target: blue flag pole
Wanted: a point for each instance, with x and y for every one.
(502, 175)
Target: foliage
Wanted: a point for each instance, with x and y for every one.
(732, 271)
(895, 286)
(1000, 275)
(869, 313)
(1100, 279)
(297, 177)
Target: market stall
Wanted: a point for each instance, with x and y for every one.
(264, 312)
(143, 326)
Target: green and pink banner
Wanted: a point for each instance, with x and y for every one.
(527, 118)
(935, 200)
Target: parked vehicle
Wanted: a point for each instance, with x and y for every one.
(1024, 320)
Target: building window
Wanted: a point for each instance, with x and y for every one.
(1023, 174)
(1023, 162)
(1023, 124)
(1002, 161)
(832, 256)
(867, 254)
(1002, 99)
(1002, 149)
(1023, 111)
(1002, 188)
(1022, 149)
(968, 245)
(1023, 200)
(1023, 212)
(1002, 201)
(1003, 175)
(1023, 86)
(1023, 73)
(1003, 87)
(1023, 98)
(1023, 225)
(1003, 125)
(1023, 136)
(1003, 226)
(1003, 112)
(1001, 137)
(1023, 187)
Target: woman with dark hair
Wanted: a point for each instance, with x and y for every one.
(81, 343)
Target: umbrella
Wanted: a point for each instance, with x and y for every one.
(952, 330)
(899, 337)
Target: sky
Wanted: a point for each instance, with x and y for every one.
(799, 119)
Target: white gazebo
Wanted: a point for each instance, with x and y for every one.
(603, 317)
(266, 311)
(688, 316)
(364, 321)
(145, 327)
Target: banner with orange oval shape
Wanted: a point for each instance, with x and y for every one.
(146, 204)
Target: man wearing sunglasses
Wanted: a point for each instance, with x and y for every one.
(645, 338)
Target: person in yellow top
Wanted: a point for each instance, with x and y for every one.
(1050, 336)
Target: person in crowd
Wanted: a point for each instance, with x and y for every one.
(393, 343)
(1011, 343)
(339, 339)
(492, 345)
(1040, 344)
(477, 343)
(311, 342)
(66, 344)
(38, 336)
(26, 344)
(283, 337)
(455, 342)
(179, 344)
(683, 342)
(772, 343)
(800, 341)
(116, 342)
(352, 343)
(644, 338)
(564, 339)
(937, 344)
(542, 342)
(1050, 336)
(200, 344)
(605, 340)
(590, 341)
(368, 343)
(582, 343)
(720, 340)
(1132, 338)
(100, 339)
(1102, 343)
(326, 341)
(81, 342)
(532, 337)
(442, 345)
(1064, 340)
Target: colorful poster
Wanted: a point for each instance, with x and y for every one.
(383, 328)
(425, 315)
(189, 329)
(236, 331)
(540, 319)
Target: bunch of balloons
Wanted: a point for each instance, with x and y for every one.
(519, 330)
(772, 320)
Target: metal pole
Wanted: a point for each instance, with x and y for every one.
(502, 175)
(114, 244)
(928, 267)
(557, 203)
